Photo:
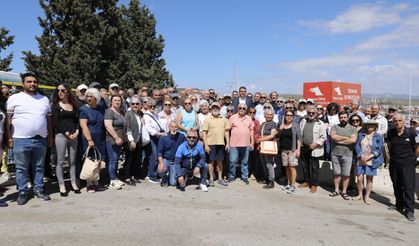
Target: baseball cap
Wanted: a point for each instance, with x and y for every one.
(96, 85)
(113, 85)
(310, 100)
(302, 100)
(175, 95)
(215, 104)
(82, 87)
(227, 95)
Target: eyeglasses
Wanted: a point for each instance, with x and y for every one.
(242, 108)
(167, 104)
(289, 115)
(311, 113)
(191, 137)
(188, 103)
(135, 104)
(62, 90)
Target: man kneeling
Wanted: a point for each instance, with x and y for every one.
(190, 158)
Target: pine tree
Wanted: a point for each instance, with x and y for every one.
(95, 40)
(5, 41)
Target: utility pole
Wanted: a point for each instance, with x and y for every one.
(235, 76)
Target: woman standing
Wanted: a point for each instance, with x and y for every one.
(93, 129)
(187, 119)
(356, 122)
(290, 144)
(115, 135)
(369, 148)
(166, 115)
(134, 124)
(267, 133)
(65, 115)
(255, 168)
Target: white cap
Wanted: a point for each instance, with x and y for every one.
(82, 87)
(302, 100)
(113, 85)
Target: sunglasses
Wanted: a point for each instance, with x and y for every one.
(251, 112)
(188, 103)
(242, 108)
(114, 88)
(263, 97)
(153, 106)
(289, 115)
(355, 120)
(289, 108)
(191, 137)
(212, 93)
(167, 104)
(279, 101)
(135, 104)
(62, 90)
(230, 110)
(311, 113)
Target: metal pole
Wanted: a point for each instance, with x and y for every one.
(410, 95)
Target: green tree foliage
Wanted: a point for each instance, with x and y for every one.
(5, 41)
(97, 40)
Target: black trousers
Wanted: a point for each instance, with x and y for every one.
(403, 177)
(132, 165)
(310, 167)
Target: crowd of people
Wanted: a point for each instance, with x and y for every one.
(172, 136)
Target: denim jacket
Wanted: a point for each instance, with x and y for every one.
(376, 148)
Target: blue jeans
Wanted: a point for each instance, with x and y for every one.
(151, 152)
(183, 171)
(29, 152)
(235, 154)
(171, 169)
(114, 152)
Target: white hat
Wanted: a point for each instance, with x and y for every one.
(302, 100)
(82, 87)
(113, 85)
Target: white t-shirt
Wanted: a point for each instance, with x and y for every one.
(29, 115)
(2, 120)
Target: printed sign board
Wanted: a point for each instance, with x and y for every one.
(324, 93)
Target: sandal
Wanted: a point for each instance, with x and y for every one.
(333, 194)
(358, 198)
(345, 196)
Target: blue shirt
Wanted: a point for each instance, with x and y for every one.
(169, 144)
(188, 157)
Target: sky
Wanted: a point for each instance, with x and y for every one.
(269, 45)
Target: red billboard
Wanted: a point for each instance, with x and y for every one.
(326, 92)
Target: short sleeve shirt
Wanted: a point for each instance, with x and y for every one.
(402, 147)
(29, 115)
(342, 149)
(118, 120)
(216, 128)
(267, 128)
(241, 128)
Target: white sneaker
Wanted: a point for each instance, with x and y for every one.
(6, 176)
(203, 187)
(120, 182)
(114, 185)
(286, 187)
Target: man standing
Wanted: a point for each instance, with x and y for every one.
(382, 122)
(404, 149)
(313, 133)
(242, 99)
(157, 96)
(226, 103)
(190, 157)
(241, 142)
(215, 130)
(29, 131)
(355, 110)
(166, 150)
(343, 138)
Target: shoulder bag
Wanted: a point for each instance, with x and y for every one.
(268, 147)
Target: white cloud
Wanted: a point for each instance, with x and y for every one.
(405, 35)
(360, 18)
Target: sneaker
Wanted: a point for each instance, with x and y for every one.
(164, 184)
(154, 180)
(91, 189)
(286, 187)
(120, 182)
(22, 199)
(6, 176)
(211, 183)
(3, 203)
(222, 182)
(269, 185)
(410, 216)
(246, 181)
(203, 187)
(115, 185)
(230, 180)
(41, 195)
(291, 190)
(252, 177)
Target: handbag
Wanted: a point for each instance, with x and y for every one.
(268, 147)
(145, 136)
(91, 165)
